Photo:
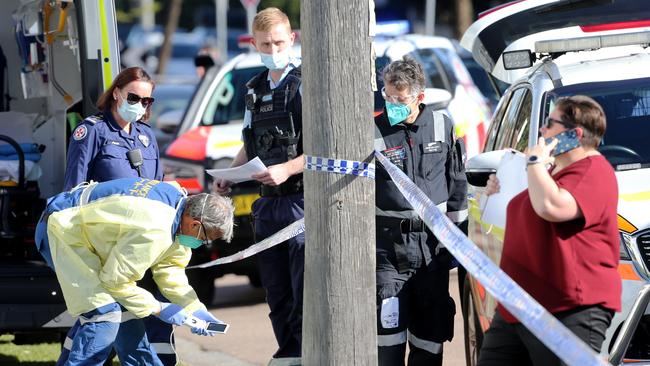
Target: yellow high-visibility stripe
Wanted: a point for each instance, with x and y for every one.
(107, 72)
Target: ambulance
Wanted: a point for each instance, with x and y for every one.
(56, 58)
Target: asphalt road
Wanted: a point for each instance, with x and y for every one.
(250, 339)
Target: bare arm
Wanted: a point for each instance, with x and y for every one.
(279, 173)
(550, 202)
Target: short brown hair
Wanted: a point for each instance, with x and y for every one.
(268, 18)
(106, 100)
(586, 113)
(406, 74)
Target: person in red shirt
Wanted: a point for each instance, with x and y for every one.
(565, 251)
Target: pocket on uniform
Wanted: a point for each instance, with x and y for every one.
(113, 151)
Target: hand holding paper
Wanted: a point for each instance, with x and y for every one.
(511, 174)
(241, 173)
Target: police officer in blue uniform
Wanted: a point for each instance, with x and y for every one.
(413, 302)
(118, 143)
(272, 132)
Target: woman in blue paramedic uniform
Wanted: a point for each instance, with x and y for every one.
(99, 145)
(105, 147)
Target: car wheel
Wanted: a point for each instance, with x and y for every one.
(473, 332)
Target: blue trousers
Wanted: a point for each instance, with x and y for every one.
(89, 342)
(282, 269)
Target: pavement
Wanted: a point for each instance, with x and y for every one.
(250, 340)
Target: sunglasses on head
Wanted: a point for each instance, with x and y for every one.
(132, 98)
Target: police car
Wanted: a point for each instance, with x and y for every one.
(210, 135)
(548, 49)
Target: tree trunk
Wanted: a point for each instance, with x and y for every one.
(170, 29)
(464, 16)
(339, 324)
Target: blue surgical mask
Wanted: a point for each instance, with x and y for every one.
(188, 241)
(397, 112)
(275, 61)
(131, 112)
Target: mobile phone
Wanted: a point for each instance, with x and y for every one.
(567, 141)
(218, 327)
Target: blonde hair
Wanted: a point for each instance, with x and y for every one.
(268, 18)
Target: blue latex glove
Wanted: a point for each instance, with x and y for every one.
(205, 316)
(172, 313)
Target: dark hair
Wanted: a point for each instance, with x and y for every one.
(586, 113)
(403, 74)
(106, 100)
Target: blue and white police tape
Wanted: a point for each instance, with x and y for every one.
(340, 166)
(529, 312)
(314, 163)
(287, 233)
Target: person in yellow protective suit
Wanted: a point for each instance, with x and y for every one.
(102, 237)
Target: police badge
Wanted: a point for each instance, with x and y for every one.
(144, 139)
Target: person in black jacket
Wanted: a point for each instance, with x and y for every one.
(413, 302)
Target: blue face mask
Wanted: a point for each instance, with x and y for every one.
(131, 112)
(275, 61)
(397, 112)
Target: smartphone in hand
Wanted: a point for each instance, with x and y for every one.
(567, 141)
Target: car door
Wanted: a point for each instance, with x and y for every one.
(509, 129)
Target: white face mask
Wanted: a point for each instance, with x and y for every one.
(275, 61)
(130, 112)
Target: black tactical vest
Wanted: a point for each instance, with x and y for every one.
(276, 122)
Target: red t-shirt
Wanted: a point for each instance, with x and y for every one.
(564, 265)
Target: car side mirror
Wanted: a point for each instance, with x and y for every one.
(437, 98)
(479, 167)
(169, 121)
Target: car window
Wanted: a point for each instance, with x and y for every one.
(521, 131)
(436, 75)
(447, 59)
(506, 130)
(493, 131)
(627, 111)
(227, 102)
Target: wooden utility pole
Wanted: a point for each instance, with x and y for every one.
(170, 29)
(464, 16)
(339, 321)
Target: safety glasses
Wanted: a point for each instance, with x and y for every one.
(397, 100)
(132, 98)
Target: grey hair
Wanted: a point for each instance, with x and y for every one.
(405, 74)
(218, 213)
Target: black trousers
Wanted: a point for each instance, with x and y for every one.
(513, 344)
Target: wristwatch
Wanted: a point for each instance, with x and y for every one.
(533, 159)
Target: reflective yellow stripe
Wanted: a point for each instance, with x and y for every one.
(475, 213)
(107, 73)
(638, 196)
(227, 144)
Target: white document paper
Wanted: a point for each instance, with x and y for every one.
(512, 180)
(241, 173)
